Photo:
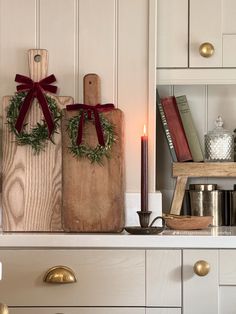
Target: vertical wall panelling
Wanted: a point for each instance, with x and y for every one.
(17, 35)
(97, 44)
(133, 82)
(152, 94)
(222, 101)
(58, 34)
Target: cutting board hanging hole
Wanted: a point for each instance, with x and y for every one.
(37, 58)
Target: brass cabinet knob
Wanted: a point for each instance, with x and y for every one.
(206, 50)
(201, 268)
(59, 275)
(3, 308)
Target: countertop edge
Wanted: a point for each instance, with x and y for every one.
(211, 238)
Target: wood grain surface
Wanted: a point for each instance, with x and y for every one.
(178, 196)
(93, 195)
(31, 184)
(204, 169)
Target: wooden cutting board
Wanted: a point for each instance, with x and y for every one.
(93, 195)
(31, 184)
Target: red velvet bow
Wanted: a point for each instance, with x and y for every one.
(35, 90)
(90, 109)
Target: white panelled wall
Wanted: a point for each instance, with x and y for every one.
(206, 103)
(107, 37)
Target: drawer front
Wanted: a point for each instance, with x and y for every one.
(164, 278)
(227, 267)
(104, 278)
(108, 310)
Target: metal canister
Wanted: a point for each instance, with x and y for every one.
(232, 206)
(206, 200)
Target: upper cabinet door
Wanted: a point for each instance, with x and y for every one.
(212, 21)
(205, 26)
(172, 33)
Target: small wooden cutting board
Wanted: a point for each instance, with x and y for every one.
(31, 184)
(93, 195)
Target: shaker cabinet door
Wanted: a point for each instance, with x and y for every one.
(172, 33)
(200, 281)
(163, 273)
(212, 21)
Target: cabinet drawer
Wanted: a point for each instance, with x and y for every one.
(227, 267)
(164, 278)
(104, 278)
(108, 310)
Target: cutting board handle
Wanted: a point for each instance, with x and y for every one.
(92, 89)
(38, 64)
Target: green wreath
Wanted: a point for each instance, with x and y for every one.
(38, 136)
(97, 153)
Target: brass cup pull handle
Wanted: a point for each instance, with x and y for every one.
(201, 268)
(3, 308)
(206, 50)
(59, 275)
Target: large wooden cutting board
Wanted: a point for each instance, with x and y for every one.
(93, 195)
(31, 184)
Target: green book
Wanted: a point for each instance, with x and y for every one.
(189, 128)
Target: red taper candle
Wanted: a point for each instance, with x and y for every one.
(144, 171)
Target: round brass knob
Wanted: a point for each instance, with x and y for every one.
(206, 50)
(201, 268)
(59, 275)
(3, 309)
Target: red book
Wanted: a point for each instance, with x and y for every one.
(176, 129)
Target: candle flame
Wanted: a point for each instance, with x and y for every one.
(144, 130)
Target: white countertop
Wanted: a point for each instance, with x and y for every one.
(215, 237)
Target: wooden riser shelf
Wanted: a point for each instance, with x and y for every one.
(204, 169)
(183, 170)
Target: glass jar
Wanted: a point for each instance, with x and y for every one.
(219, 143)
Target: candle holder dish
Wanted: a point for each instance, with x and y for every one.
(149, 229)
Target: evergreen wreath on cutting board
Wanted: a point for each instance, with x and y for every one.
(38, 136)
(84, 150)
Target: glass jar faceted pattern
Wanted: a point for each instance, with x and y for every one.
(219, 144)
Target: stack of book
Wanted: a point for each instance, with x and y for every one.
(179, 128)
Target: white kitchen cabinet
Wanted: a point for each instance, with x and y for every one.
(172, 33)
(183, 26)
(178, 37)
(205, 26)
(200, 293)
(163, 282)
(212, 21)
(104, 278)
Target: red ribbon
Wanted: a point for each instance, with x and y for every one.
(90, 109)
(35, 90)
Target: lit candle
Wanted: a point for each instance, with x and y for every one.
(144, 171)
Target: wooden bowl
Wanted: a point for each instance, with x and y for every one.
(188, 222)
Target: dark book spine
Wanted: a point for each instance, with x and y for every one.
(165, 128)
(176, 129)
